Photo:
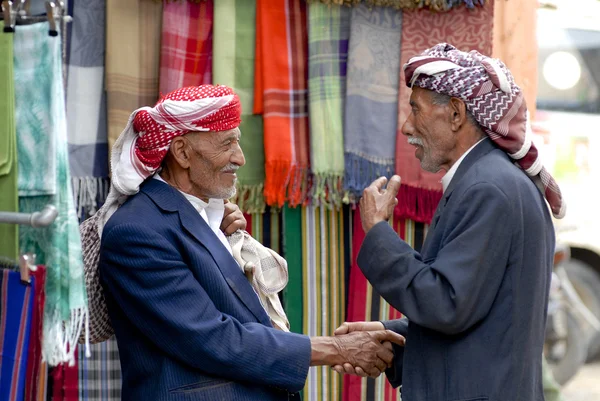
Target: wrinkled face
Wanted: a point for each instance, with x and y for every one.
(428, 128)
(218, 156)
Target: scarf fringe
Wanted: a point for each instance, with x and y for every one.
(88, 194)
(60, 337)
(327, 190)
(432, 5)
(361, 172)
(285, 182)
(250, 198)
(417, 204)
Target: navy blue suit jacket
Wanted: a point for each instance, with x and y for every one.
(188, 324)
(476, 295)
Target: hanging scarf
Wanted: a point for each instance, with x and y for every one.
(16, 310)
(186, 44)
(41, 121)
(280, 94)
(328, 35)
(372, 96)
(100, 375)
(9, 201)
(432, 5)
(86, 105)
(323, 290)
(468, 29)
(132, 60)
(292, 251)
(233, 65)
(34, 362)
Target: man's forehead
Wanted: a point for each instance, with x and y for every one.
(419, 95)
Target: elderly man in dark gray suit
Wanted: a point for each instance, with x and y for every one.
(475, 298)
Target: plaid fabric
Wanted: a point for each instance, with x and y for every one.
(468, 30)
(132, 60)
(34, 362)
(280, 94)
(15, 328)
(86, 105)
(100, 375)
(186, 44)
(233, 65)
(328, 35)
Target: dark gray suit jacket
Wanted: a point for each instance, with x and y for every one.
(476, 295)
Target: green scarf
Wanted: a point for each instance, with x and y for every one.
(233, 65)
(40, 107)
(9, 201)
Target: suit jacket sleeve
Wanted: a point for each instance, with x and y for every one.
(156, 290)
(394, 374)
(456, 290)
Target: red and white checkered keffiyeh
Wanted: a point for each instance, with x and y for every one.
(143, 144)
(497, 103)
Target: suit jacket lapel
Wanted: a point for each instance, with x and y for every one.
(171, 200)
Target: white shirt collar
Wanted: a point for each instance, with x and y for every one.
(447, 178)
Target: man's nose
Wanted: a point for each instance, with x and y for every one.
(408, 127)
(237, 157)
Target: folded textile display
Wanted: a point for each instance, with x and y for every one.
(467, 30)
(9, 200)
(132, 59)
(371, 96)
(328, 35)
(41, 121)
(280, 94)
(432, 5)
(186, 44)
(17, 303)
(86, 105)
(233, 65)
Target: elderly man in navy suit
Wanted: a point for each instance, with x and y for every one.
(475, 297)
(188, 322)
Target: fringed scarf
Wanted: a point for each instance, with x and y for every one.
(9, 201)
(371, 96)
(366, 304)
(280, 94)
(41, 126)
(86, 105)
(132, 59)
(328, 35)
(468, 30)
(233, 65)
(432, 5)
(186, 45)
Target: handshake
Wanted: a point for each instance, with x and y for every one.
(359, 348)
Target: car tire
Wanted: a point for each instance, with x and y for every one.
(586, 282)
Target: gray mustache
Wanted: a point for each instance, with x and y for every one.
(415, 141)
(230, 167)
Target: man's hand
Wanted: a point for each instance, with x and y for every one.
(377, 204)
(349, 327)
(233, 219)
(362, 349)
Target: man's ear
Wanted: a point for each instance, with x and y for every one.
(181, 152)
(458, 111)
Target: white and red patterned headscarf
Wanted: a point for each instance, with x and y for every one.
(497, 103)
(144, 143)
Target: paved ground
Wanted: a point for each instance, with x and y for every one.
(585, 386)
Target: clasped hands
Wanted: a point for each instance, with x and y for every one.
(365, 347)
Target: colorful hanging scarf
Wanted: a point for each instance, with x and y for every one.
(468, 30)
(16, 310)
(65, 383)
(292, 252)
(132, 59)
(86, 105)
(328, 35)
(432, 5)
(9, 201)
(186, 44)
(323, 291)
(41, 121)
(494, 99)
(100, 375)
(372, 96)
(280, 94)
(34, 360)
(233, 65)
(365, 304)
